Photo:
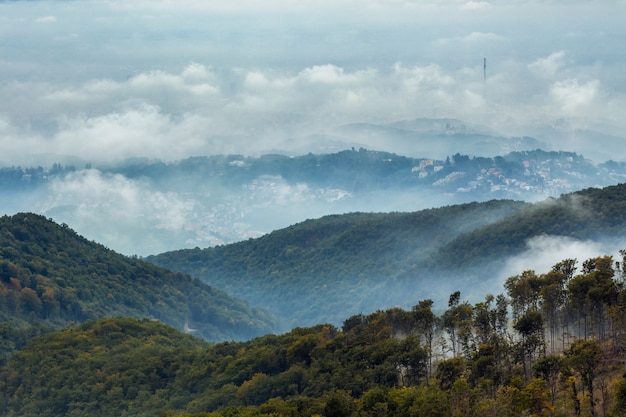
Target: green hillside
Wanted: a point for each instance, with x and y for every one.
(593, 213)
(50, 277)
(326, 269)
(551, 346)
(112, 367)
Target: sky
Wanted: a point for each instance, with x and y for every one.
(100, 81)
(107, 80)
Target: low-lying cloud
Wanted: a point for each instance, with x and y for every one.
(109, 80)
(104, 81)
(166, 115)
(543, 252)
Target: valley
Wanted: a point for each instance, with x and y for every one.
(145, 207)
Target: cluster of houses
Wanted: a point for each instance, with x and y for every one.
(551, 177)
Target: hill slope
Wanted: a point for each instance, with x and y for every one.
(51, 276)
(105, 368)
(327, 269)
(591, 214)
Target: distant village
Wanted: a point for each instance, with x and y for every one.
(214, 216)
(545, 177)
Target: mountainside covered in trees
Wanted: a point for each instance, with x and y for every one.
(326, 269)
(50, 277)
(590, 214)
(552, 345)
(321, 270)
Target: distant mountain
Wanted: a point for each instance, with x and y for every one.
(593, 143)
(322, 270)
(50, 276)
(442, 125)
(437, 138)
(145, 207)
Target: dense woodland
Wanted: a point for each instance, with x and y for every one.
(592, 213)
(327, 269)
(50, 277)
(552, 344)
(548, 343)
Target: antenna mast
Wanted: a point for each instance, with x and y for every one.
(485, 69)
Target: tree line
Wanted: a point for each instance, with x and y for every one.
(551, 345)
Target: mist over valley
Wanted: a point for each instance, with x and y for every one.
(144, 207)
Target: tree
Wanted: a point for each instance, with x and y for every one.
(619, 407)
(530, 327)
(584, 357)
(577, 290)
(448, 371)
(553, 298)
(594, 292)
(536, 398)
(457, 321)
(339, 404)
(411, 359)
(30, 301)
(524, 291)
(425, 321)
(549, 368)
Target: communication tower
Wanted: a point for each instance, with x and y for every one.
(485, 69)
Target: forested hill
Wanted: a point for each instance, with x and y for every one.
(327, 269)
(322, 270)
(590, 214)
(50, 276)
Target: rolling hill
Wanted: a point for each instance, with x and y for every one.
(51, 277)
(326, 269)
(590, 214)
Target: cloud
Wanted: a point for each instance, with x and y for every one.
(46, 19)
(475, 5)
(117, 79)
(574, 98)
(115, 210)
(482, 37)
(548, 67)
(195, 107)
(473, 37)
(140, 131)
(545, 251)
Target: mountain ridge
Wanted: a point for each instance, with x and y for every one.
(363, 261)
(51, 276)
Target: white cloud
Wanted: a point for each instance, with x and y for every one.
(473, 37)
(475, 5)
(46, 19)
(92, 201)
(332, 74)
(430, 77)
(573, 97)
(545, 251)
(482, 37)
(548, 67)
(233, 77)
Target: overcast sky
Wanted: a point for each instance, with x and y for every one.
(105, 80)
